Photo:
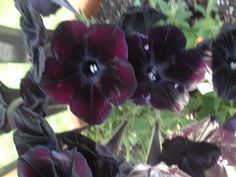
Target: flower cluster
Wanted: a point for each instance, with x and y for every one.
(96, 67)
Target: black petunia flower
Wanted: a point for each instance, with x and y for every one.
(164, 70)
(191, 157)
(89, 69)
(224, 64)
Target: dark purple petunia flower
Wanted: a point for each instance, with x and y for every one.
(224, 64)
(141, 19)
(191, 157)
(164, 70)
(44, 7)
(89, 69)
(41, 162)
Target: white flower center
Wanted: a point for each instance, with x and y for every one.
(93, 68)
(233, 65)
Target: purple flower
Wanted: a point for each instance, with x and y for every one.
(208, 131)
(224, 64)
(89, 69)
(164, 70)
(44, 7)
(40, 161)
(191, 157)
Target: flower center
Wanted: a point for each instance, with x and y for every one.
(179, 88)
(146, 47)
(233, 65)
(90, 68)
(153, 75)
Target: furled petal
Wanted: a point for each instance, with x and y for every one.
(118, 83)
(224, 82)
(39, 161)
(106, 42)
(44, 7)
(167, 41)
(189, 69)
(59, 81)
(170, 96)
(90, 105)
(68, 41)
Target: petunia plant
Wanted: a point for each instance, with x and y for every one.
(142, 73)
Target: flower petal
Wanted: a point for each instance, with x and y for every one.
(170, 96)
(189, 69)
(58, 81)
(68, 41)
(141, 94)
(89, 104)
(118, 83)
(40, 161)
(139, 54)
(44, 7)
(167, 41)
(106, 42)
(141, 19)
(230, 124)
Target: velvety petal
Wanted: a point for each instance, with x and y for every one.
(167, 41)
(189, 69)
(224, 82)
(106, 42)
(230, 124)
(59, 81)
(139, 54)
(39, 161)
(68, 41)
(223, 49)
(71, 162)
(170, 96)
(141, 19)
(35, 163)
(89, 104)
(118, 83)
(141, 94)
